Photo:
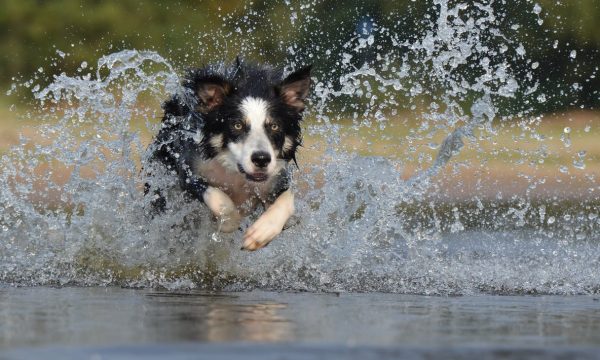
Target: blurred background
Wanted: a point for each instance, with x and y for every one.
(560, 40)
(195, 32)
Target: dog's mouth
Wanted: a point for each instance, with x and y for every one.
(256, 177)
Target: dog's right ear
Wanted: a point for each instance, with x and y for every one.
(211, 93)
(210, 88)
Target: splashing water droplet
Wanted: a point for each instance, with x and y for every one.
(563, 169)
(367, 223)
(578, 164)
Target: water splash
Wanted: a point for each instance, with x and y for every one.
(74, 211)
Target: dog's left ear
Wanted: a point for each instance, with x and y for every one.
(294, 88)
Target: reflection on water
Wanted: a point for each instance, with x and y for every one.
(112, 316)
(39, 316)
(216, 317)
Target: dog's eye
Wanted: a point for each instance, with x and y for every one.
(274, 127)
(238, 126)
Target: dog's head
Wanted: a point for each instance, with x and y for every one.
(252, 117)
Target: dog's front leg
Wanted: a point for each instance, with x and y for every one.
(223, 208)
(270, 223)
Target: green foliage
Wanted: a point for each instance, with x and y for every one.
(194, 32)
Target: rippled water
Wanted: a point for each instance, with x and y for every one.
(74, 213)
(102, 317)
(113, 323)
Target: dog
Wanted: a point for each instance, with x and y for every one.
(230, 137)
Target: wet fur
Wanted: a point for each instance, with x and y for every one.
(218, 134)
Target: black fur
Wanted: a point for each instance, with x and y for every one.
(209, 105)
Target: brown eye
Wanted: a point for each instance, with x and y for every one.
(274, 127)
(237, 126)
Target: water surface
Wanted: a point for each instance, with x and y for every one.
(109, 317)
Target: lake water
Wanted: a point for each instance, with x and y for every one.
(116, 323)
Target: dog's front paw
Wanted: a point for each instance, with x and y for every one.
(262, 232)
(221, 205)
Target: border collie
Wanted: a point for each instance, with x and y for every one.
(229, 137)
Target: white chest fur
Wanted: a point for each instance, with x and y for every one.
(244, 194)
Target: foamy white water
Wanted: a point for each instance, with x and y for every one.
(360, 226)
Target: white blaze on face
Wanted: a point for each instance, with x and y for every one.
(255, 113)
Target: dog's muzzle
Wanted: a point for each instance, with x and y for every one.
(256, 177)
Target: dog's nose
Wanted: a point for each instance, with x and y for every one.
(261, 159)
